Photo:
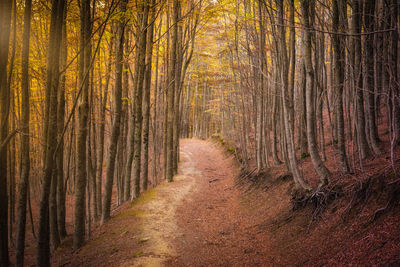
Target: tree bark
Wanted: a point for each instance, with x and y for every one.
(25, 160)
(319, 166)
(60, 127)
(369, 86)
(146, 102)
(338, 20)
(83, 113)
(117, 119)
(287, 106)
(358, 76)
(57, 16)
(171, 92)
(140, 69)
(5, 21)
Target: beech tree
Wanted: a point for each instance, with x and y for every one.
(25, 160)
(5, 21)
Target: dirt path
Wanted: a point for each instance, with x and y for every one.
(200, 219)
(160, 221)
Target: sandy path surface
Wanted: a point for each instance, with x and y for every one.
(160, 222)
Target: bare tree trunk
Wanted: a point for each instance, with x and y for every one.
(287, 105)
(146, 101)
(358, 76)
(369, 88)
(319, 166)
(303, 108)
(60, 127)
(103, 105)
(260, 91)
(57, 16)
(171, 91)
(275, 106)
(394, 76)
(5, 21)
(117, 119)
(338, 21)
(140, 69)
(83, 113)
(157, 95)
(25, 160)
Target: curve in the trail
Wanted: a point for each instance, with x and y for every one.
(150, 231)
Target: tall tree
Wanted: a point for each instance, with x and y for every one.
(83, 113)
(53, 56)
(369, 86)
(339, 19)
(60, 129)
(5, 21)
(319, 166)
(117, 118)
(25, 160)
(146, 100)
(140, 69)
(287, 105)
(358, 80)
(171, 91)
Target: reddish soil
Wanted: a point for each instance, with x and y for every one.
(207, 217)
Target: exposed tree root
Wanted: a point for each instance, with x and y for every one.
(381, 187)
(319, 199)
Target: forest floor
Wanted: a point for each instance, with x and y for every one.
(206, 217)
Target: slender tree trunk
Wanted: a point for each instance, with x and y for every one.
(100, 146)
(5, 21)
(319, 166)
(83, 114)
(146, 102)
(117, 119)
(57, 16)
(394, 77)
(25, 160)
(60, 127)
(155, 132)
(260, 97)
(275, 106)
(171, 91)
(358, 76)
(369, 86)
(140, 69)
(338, 19)
(287, 112)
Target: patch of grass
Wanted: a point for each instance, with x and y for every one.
(145, 197)
(132, 212)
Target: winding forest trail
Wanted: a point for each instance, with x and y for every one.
(197, 220)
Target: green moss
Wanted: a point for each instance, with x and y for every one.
(131, 212)
(133, 209)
